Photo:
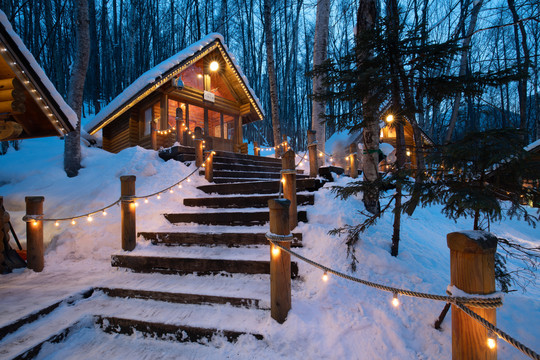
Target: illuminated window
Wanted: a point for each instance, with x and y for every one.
(151, 114)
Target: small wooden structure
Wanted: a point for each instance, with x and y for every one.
(199, 87)
(30, 106)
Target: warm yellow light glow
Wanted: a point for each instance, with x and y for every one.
(283, 180)
(347, 158)
(89, 218)
(408, 152)
(199, 76)
(382, 134)
(104, 213)
(204, 165)
(275, 251)
(213, 153)
(146, 201)
(179, 186)
(188, 180)
(331, 158)
(193, 136)
(325, 277)
(73, 222)
(390, 118)
(34, 223)
(395, 301)
(214, 66)
(56, 223)
(171, 191)
(159, 197)
(491, 343)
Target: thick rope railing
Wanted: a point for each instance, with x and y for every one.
(485, 303)
(88, 215)
(459, 301)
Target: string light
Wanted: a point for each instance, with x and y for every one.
(188, 180)
(136, 204)
(395, 300)
(34, 223)
(283, 180)
(171, 191)
(179, 186)
(159, 196)
(275, 250)
(104, 213)
(491, 341)
(73, 222)
(56, 223)
(390, 118)
(325, 277)
(146, 200)
(89, 218)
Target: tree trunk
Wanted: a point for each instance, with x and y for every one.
(72, 143)
(463, 67)
(523, 66)
(320, 46)
(272, 75)
(366, 17)
(94, 85)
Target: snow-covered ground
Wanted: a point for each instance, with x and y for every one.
(337, 319)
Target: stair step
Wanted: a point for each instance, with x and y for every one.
(233, 155)
(249, 174)
(181, 266)
(227, 218)
(249, 162)
(181, 333)
(211, 239)
(246, 167)
(244, 201)
(259, 187)
(180, 298)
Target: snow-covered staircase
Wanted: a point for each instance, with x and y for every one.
(220, 251)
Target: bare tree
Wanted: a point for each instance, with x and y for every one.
(365, 20)
(320, 46)
(272, 74)
(72, 143)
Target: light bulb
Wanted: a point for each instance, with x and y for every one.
(275, 250)
(283, 180)
(104, 213)
(179, 186)
(89, 218)
(188, 180)
(491, 343)
(395, 300)
(34, 223)
(325, 277)
(56, 223)
(214, 66)
(390, 118)
(159, 197)
(171, 191)
(73, 222)
(146, 201)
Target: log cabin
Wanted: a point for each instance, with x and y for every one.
(200, 88)
(30, 105)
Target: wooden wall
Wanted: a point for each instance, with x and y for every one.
(121, 133)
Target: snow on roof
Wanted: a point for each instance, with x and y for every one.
(532, 145)
(61, 106)
(156, 74)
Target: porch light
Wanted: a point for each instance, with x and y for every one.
(214, 66)
(390, 118)
(408, 152)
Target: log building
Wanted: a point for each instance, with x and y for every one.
(201, 87)
(30, 106)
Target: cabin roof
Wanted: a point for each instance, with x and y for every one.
(46, 114)
(533, 147)
(163, 73)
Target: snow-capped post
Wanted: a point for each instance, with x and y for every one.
(353, 163)
(209, 166)
(256, 149)
(288, 179)
(34, 233)
(312, 149)
(198, 141)
(280, 261)
(472, 270)
(128, 219)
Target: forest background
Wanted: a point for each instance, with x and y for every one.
(129, 37)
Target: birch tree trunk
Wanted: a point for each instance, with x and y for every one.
(272, 75)
(366, 17)
(320, 46)
(464, 63)
(72, 142)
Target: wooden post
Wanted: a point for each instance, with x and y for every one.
(285, 146)
(312, 149)
(472, 270)
(288, 179)
(4, 232)
(198, 142)
(353, 163)
(256, 149)
(128, 219)
(34, 234)
(153, 134)
(179, 121)
(209, 167)
(280, 261)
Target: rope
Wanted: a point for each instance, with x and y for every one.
(527, 351)
(31, 218)
(302, 159)
(484, 303)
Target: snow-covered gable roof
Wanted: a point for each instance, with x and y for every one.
(533, 147)
(159, 75)
(22, 63)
